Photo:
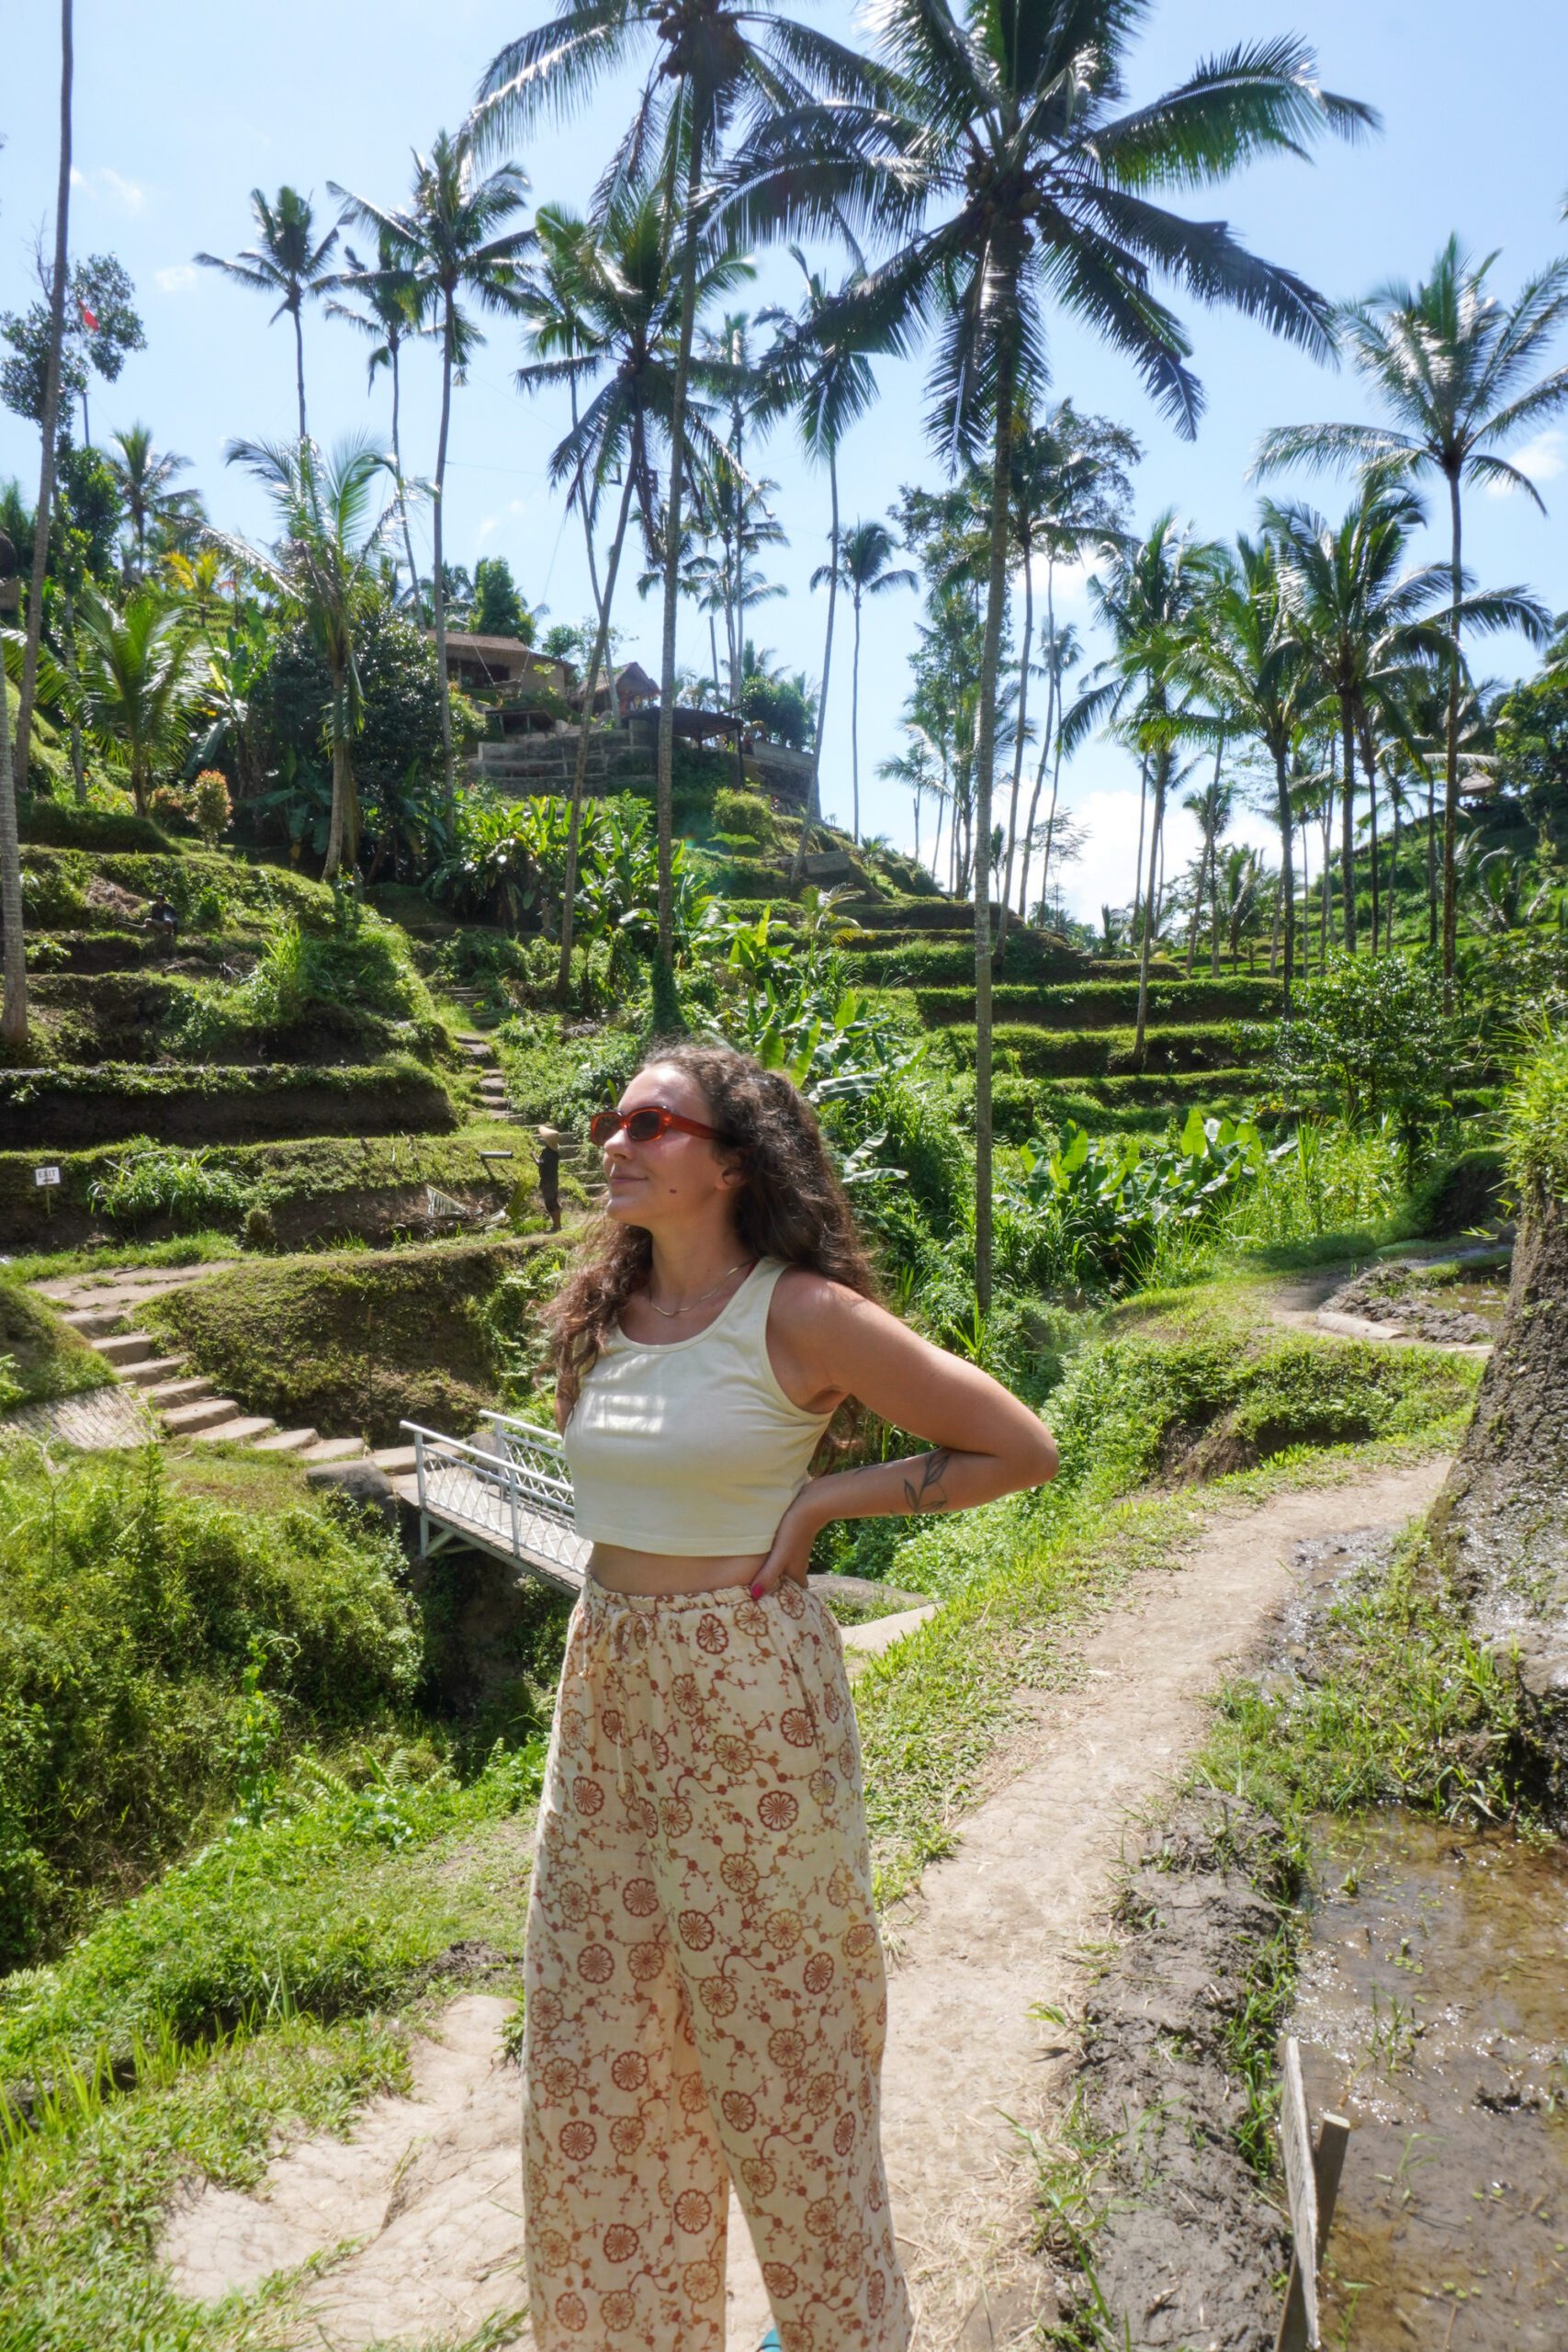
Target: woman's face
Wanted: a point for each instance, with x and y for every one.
(678, 1180)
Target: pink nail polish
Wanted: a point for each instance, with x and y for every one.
(757, 1591)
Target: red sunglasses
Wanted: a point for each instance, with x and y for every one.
(645, 1124)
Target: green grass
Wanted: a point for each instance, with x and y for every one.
(149, 1630)
(355, 1342)
(242, 2000)
(1109, 1004)
(66, 1107)
(41, 1356)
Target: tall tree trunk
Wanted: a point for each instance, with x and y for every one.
(1369, 761)
(580, 766)
(340, 828)
(78, 768)
(51, 402)
(299, 359)
(740, 638)
(1143, 835)
(985, 757)
(398, 468)
(814, 798)
(854, 724)
(1052, 734)
(1431, 862)
(1325, 909)
(13, 1009)
(1392, 865)
(438, 544)
(665, 770)
(1157, 831)
(1450, 771)
(1017, 754)
(1287, 868)
(1348, 821)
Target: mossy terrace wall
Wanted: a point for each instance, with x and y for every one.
(354, 1342)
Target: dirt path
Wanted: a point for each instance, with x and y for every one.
(429, 2186)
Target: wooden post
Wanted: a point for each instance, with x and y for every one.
(1312, 2183)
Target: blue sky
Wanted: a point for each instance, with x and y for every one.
(178, 119)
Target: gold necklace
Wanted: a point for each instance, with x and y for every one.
(671, 1313)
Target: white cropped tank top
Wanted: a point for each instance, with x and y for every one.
(691, 1447)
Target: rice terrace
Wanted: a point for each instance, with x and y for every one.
(799, 546)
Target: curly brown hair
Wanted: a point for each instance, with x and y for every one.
(792, 1205)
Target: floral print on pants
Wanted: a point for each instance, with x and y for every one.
(706, 1999)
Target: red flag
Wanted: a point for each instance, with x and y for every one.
(88, 321)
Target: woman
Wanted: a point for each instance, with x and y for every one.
(705, 2000)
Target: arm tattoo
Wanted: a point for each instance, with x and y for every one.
(928, 1495)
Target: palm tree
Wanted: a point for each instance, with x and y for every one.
(866, 569)
(1247, 659)
(1369, 620)
(323, 569)
(820, 371)
(394, 310)
(1450, 363)
(288, 260)
(1060, 654)
(1149, 598)
(144, 478)
(1070, 488)
(1213, 808)
(141, 677)
(714, 61)
(1011, 127)
(626, 304)
(49, 419)
(452, 244)
(13, 1009)
(916, 769)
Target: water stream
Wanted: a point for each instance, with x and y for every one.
(1433, 2011)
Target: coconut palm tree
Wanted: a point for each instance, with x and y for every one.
(49, 419)
(141, 679)
(394, 310)
(1247, 659)
(1012, 128)
(1450, 363)
(713, 63)
(820, 372)
(1070, 490)
(1149, 596)
(626, 308)
(14, 1008)
(288, 260)
(1368, 618)
(455, 246)
(144, 477)
(323, 569)
(866, 569)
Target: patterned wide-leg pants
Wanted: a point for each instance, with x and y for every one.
(706, 1999)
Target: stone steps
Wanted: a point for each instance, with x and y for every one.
(287, 1441)
(189, 1421)
(397, 1461)
(155, 1371)
(124, 1348)
(164, 1395)
(333, 1449)
(243, 1429)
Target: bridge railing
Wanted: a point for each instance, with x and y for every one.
(509, 1490)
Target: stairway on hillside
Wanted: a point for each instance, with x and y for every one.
(188, 1405)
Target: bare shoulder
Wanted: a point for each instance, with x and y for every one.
(810, 1306)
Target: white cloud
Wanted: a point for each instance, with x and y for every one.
(1539, 460)
(487, 529)
(178, 279)
(123, 191)
(110, 186)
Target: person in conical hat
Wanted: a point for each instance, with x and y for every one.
(550, 1141)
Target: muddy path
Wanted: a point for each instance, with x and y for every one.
(427, 2192)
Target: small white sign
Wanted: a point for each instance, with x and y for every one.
(46, 1175)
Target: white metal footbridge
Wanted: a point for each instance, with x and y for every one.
(507, 1490)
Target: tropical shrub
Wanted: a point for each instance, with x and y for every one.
(152, 1179)
(1372, 1036)
(1092, 1213)
(130, 1613)
(743, 816)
